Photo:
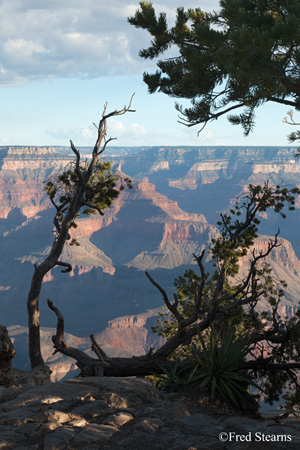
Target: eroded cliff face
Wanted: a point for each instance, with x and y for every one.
(201, 172)
(288, 167)
(284, 265)
(144, 229)
(22, 172)
(213, 171)
(156, 226)
(146, 190)
(191, 167)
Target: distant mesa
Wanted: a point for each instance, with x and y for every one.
(177, 196)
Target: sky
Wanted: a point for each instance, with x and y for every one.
(61, 60)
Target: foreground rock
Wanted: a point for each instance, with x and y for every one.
(127, 413)
(7, 353)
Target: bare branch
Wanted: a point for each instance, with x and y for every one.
(171, 307)
(290, 113)
(119, 112)
(106, 140)
(105, 145)
(84, 361)
(252, 271)
(67, 265)
(175, 299)
(201, 129)
(77, 164)
(98, 350)
(54, 204)
(102, 128)
(199, 293)
(60, 323)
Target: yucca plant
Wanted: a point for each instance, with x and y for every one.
(217, 368)
(171, 379)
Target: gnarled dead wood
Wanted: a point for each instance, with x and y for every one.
(105, 366)
(151, 363)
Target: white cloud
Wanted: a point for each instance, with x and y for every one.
(133, 133)
(85, 135)
(40, 39)
(22, 48)
(117, 128)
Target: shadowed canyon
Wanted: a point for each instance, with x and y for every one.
(169, 214)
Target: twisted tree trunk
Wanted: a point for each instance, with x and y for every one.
(40, 271)
(66, 213)
(158, 362)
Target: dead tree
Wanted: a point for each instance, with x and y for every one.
(83, 187)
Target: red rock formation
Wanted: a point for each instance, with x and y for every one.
(131, 333)
(143, 230)
(183, 230)
(23, 170)
(146, 190)
(285, 266)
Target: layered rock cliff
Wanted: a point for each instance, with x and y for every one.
(22, 173)
(177, 194)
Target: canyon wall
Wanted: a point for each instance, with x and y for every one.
(177, 196)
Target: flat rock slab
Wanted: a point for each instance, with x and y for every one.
(59, 440)
(119, 419)
(9, 440)
(150, 425)
(132, 391)
(93, 434)
(41, 395)
(92, 409)
(243, 425)
(201, 424)
(122, 414)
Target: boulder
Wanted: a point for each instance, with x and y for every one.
(122, 414)
(37, 377)
(7, 353)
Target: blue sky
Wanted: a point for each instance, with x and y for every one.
(61, 60)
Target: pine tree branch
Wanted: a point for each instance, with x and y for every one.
(89, 205)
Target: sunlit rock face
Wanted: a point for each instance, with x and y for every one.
(168, 215)
(23, 171)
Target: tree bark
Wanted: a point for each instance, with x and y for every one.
(149, 364)
(35, 354)
(69, 212)
(40, 271)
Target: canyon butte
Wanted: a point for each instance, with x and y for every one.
(169, 214)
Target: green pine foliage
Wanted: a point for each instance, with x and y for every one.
(239, 57)
(98, 193)
(220, 348)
